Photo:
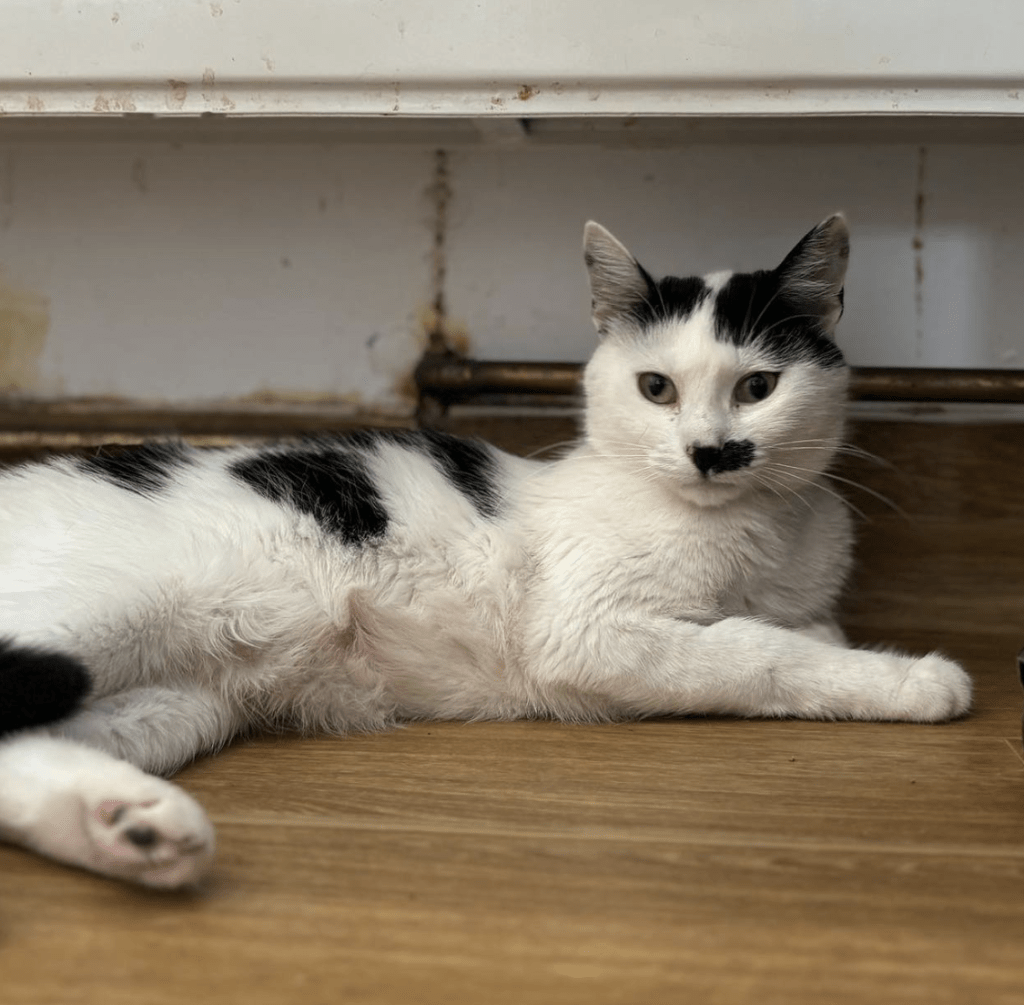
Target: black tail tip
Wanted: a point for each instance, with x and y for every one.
(38, 686)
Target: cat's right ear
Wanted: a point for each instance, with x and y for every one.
(618, 283)
(814, 272)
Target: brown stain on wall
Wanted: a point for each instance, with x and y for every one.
(918, 246)
(24, 325)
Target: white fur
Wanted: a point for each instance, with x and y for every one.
(615, 582)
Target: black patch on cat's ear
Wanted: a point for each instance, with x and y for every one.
(329, 484)
(38, 686)
(468, 466)
(144, 470)
(623, 291)
(812, 275)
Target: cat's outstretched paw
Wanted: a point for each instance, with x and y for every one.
(933, 689)
(159, 837)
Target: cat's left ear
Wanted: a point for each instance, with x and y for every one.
(618, 283)
(813, 273)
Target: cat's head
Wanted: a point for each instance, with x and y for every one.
(722, 385)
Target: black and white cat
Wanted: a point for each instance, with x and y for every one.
(685, 557)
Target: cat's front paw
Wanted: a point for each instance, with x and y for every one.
(933, 689)
(159, 837)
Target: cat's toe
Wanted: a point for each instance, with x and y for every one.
(161, 839)
(934, 689)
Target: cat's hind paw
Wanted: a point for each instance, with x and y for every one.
(160, 838)
(934, 689)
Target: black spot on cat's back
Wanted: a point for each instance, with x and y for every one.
(38, 686)
(326, 482)
(469, 466)
(751, 309)
(144, 470)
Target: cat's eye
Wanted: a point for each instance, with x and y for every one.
(658, 388)
(756, 387)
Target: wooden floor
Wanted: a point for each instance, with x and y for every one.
(705, 861)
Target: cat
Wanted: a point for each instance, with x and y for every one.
(685, 557)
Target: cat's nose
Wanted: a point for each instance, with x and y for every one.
(705, 459)
(731, 456)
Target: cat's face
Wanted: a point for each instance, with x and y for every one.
(720, 386)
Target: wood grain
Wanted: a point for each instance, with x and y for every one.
(693, 860)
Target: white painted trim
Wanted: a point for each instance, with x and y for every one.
(510, 57)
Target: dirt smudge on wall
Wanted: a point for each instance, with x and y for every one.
(24, 325)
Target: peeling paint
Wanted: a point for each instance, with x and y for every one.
(209, 81)
(179, 92)
(24, 325)
(122, 101)
(527, 91)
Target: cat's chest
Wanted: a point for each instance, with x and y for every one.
(709, 566)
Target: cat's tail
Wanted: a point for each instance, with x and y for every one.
(38, 685)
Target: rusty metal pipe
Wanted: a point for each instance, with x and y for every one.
(450, 379)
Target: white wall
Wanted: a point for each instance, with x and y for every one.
(937, 266)
(194, 271)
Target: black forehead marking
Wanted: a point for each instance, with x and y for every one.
(670, 299)
(144, 470)
(332, 485)
(752, 309)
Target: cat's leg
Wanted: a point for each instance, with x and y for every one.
(82, 806)
(740, 666)
(155, 728)
(825, 631)
(69, 792)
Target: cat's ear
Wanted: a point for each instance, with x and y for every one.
(813, 273)
(618, 283)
